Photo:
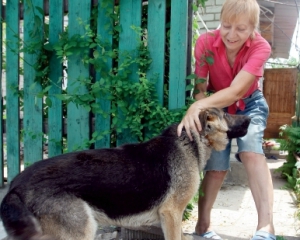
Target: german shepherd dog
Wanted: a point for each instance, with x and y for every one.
(144, 184)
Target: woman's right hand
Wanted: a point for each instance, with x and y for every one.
(191, 120)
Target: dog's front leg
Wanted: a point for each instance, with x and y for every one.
(171, 223)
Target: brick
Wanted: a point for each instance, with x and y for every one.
(220, 2)
(214, 9)
(210, 3)
(208, 17)
(212, 25)
(217, 16)
(202, 30)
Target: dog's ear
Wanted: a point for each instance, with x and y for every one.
(203, 120)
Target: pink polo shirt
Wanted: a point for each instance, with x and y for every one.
(251, 58)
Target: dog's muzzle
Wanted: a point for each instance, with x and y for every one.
(237, 125)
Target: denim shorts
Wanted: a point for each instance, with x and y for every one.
(257, 108)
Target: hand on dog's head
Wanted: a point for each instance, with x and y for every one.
(215, 121)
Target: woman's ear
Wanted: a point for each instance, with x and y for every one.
(252, 35)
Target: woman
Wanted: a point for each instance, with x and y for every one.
(239, 54)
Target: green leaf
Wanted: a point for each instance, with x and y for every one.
(33, 85)
(189, 87)
(209, 60)
(191, 76)
(46, 89)
(93, 45)
(48, 102)
(118, 28)
(37, 21)
(40, 95)
(40, 10)
(200, 80)
(63, 97)
(96, 54)
(48, 47)
(195, 8)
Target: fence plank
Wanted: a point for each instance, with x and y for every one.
(178, 53)
(156, 44)
(104, 30)
(55, 111)
(33, 111)
(130, 15)
(78, 116)
(1, 107)
(12, 87)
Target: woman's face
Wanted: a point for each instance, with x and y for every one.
(235, 34)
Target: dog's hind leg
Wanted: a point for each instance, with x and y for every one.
(19, 222)
(74, 222)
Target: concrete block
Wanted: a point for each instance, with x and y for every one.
(237, 175)
(234, 149)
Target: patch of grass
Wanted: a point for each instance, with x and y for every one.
(280, 237)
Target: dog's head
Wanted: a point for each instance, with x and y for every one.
(218, 126)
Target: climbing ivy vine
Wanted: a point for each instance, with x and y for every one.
(143, 112)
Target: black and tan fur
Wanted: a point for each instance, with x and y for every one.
(143, 184)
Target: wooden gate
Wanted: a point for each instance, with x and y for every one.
(25, 120)
(279, 89)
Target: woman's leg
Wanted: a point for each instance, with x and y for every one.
(210, 186)
(215, 171)
(260, 183)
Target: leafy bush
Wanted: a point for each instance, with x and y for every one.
(290, 142)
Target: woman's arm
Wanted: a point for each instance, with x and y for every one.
(220, 99)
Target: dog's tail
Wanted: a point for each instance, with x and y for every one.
(18, 221)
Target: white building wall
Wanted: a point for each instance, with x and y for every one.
(210, 15)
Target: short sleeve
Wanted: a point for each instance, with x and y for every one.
(259, 53)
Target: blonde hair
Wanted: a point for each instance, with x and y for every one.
(234, 9)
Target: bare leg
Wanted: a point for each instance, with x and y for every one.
(260, 183)
(210, 186)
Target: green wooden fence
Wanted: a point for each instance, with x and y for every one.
(23, 123)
